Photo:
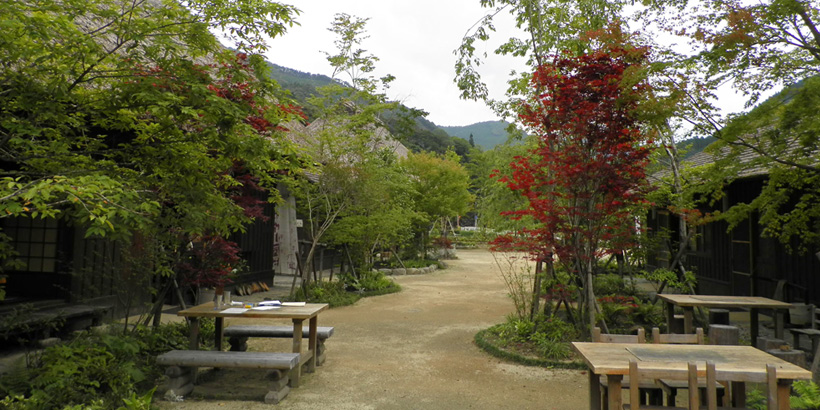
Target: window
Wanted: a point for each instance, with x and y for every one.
(35, 239)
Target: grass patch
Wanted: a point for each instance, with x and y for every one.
(522, 352)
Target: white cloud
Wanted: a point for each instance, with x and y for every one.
(414, 41)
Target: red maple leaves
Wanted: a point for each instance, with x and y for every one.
(586, 175)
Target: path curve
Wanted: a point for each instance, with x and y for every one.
(414, 350)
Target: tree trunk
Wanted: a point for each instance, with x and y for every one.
(536, 290)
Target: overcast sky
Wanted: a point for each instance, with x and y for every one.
(414, 41)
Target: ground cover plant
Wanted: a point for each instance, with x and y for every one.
(97, 370)
(347, 290)
(542, 326)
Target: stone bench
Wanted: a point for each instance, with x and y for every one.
(44, 322)
(238, 336)
(812, 334)
(183, 367)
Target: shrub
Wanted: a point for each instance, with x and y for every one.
(548, 337)
(610, 284)
(88, 369)
(375, 281)
(96, 371)
(617, 311)
(550, 348)
(556, 329)
(650, 315)
(333, 293)
(515, 330)
(806, 395)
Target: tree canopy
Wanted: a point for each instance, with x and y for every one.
(117, 113)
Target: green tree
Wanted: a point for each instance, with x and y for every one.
(493, 197)
(547, 27)
(130, 117)
(351, 144)
(440, 188)
(382, 216)
(757, 47)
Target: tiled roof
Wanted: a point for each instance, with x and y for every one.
(746, 157)
(305, 136)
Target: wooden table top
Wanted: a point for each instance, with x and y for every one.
(718, 301)
(613, 358)
(285, 312)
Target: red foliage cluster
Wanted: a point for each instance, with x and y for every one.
(442, 242)
(588, 171)
(209, 261)
(626, 301)
(249, 194)
(212, 258)
(558, 292)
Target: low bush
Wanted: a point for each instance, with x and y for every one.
(347, 291)
(97, 370)
(546, 337)
(333, 293)
(375, 281)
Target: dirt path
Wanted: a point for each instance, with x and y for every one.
(411, 350)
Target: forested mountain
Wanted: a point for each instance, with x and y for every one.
(694, 145)
(486, 134)
(426, 136)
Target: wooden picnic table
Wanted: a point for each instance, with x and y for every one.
(753, 303)
(612, 360)
(297, 314)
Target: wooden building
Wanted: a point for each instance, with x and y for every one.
(742, 261)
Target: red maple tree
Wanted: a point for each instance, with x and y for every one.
(586, 175)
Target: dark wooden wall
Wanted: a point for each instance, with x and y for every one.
(742, 262)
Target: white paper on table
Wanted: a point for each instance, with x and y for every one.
(234, 310)
(270, 303)
(265, 308)
(293, 304)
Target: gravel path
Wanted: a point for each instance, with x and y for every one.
(410, 350)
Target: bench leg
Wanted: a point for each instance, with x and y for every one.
(796, 340)
(180, 382)
(320, 352)
(238, 344)
(279, 388)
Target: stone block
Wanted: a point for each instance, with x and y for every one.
(275, 396)
(724, 335)
(796, 357)
(769, 343)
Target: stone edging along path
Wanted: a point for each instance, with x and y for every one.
(482, 341)
(408, 271)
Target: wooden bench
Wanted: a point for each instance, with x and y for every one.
(183, 368)
(238, 336)
(811, 329)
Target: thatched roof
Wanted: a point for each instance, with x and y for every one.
(306, 136)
